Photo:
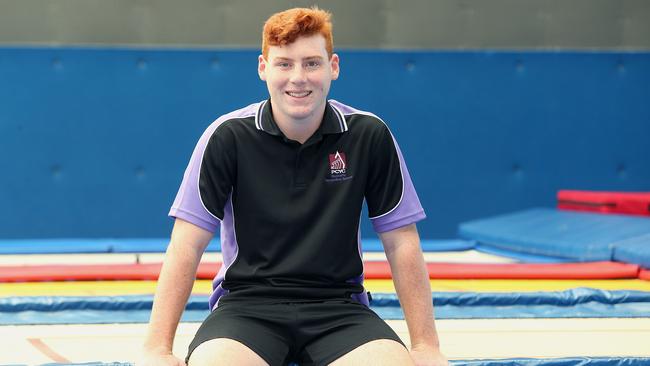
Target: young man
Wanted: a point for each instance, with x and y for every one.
(285, 179)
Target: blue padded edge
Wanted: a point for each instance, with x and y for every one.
(549, 232)
(565, 361)
(200, 302)
(634, 250)
(159, 245)
(587, 310)
(578, 303)
(521, 257)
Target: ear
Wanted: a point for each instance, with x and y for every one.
(334, 64)
(261, 67)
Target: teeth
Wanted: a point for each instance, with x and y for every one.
(299, 94)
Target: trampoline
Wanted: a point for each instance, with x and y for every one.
(516, 299)
(508, 321)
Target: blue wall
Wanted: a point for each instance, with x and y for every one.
(93, 142)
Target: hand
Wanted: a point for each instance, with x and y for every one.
(150, 358)
(424, 355)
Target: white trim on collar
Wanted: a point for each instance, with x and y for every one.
(258, 115)
(342, 123)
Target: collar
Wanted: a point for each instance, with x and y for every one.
(333, 120)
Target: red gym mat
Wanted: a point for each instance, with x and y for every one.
(644, 274)
(589, 270)
(637, 203)
(373, 270)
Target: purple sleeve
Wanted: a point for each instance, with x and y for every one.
(408, 210)
(188, 205)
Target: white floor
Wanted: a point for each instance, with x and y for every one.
(461, 339)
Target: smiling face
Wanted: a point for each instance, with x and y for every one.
(298, 76)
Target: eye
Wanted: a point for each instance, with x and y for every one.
(283, 65)
(313, 64)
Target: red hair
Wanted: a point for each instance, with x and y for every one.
(285, 27)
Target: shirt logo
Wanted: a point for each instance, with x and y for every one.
(338, 167)
(337, 163)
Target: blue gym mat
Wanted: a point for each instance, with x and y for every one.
(159, 245)
(77, 245)
(572, 235)
(634, 250)
(520, 257)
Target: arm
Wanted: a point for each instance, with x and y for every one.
(402, 247)
(188, 242)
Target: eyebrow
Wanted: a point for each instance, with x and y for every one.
(304, 58)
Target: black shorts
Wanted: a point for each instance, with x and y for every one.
(306, 332)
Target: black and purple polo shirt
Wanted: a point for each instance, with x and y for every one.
(289, 213)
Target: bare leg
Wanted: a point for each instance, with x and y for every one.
(376, 353)
(224, 351)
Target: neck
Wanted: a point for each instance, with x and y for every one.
(299, 130)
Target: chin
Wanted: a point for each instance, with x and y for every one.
(301, 113)
(299, 116)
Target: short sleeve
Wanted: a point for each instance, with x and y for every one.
(390, 194)
(208, 180)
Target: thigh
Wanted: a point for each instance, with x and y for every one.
(224, 351)
(256, 327)
(339, 328)
(376, 353)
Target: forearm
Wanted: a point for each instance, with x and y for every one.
(174, 286)
(411, 280)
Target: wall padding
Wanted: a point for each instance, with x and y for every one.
(94, 142)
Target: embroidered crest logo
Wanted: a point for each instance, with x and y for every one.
(337, 163)
(338, 167)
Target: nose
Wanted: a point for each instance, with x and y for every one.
(298, 75)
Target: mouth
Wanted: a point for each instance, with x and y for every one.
(298, 94)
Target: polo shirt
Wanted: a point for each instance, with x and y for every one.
(289, 213)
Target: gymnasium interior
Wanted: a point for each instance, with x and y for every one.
(525, 126)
